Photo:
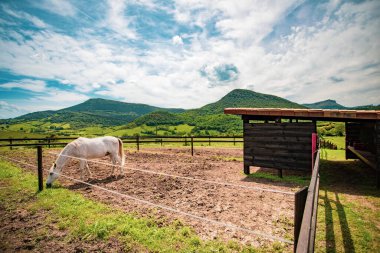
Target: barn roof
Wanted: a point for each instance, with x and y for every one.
(313, 114)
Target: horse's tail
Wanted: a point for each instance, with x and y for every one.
(121, 152)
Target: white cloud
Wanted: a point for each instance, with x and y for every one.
(25, 16)
(26, 84)
(10, 110)
(117, 20)
(177, 40)
(60, 96)
(60, 7)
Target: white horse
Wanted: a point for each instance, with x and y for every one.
(84, 148)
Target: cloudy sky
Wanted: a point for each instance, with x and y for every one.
(186, 53)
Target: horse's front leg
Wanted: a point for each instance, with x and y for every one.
(82, 164)
(88, 170)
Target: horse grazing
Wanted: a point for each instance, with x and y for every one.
(85, 148)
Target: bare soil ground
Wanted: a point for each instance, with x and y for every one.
(23, 231)
(257, 210)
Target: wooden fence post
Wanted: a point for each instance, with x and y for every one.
(209, 141)
(192, 146)
(39, 167)
(138, 142)
(10, 143)
(280, 173)
(234, 141)
(299, 206)
(185, 141)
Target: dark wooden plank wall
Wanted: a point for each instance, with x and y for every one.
(278, 145)
(361, 136)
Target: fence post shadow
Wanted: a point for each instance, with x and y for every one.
(329, 226)
(346, 233)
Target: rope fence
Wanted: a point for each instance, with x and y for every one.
(187, 178)
(164, 207)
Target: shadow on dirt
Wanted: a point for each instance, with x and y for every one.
(96, 181)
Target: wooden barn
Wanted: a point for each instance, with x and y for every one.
(286, 138)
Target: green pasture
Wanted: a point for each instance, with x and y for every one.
(337, 140)
(46, 128)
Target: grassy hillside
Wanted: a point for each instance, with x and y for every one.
(93, 112)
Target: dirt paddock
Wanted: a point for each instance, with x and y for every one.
(257, 210)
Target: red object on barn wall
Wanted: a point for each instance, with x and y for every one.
(314, 138)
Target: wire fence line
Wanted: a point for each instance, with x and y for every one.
(138, 140)
(167, 208)
(187, 178)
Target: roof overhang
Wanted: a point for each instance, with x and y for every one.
(306, 114)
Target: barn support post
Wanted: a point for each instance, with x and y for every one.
(192, 146)
(245, 146)
(39, 168)
(246, 170)
(377, 159)
(299, 206)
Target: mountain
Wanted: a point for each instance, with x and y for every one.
(326, 104)
(212, 117)
(332, 104)
(105, 105)
(366, 107)
(246, 98)
(95, 111)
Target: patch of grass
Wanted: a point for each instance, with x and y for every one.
(339, 141)
(349, 204)
(298, 180)
(228, 158)
(333, 155)
(89, 220)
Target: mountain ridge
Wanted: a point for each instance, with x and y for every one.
(332, 104)
(109, 113)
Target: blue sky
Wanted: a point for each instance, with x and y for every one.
(186, 53)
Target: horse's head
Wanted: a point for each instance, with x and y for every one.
(53, 175)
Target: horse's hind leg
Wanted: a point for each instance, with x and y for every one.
(113, 164)
(122, 170)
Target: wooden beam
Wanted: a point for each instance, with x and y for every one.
(361, 157)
